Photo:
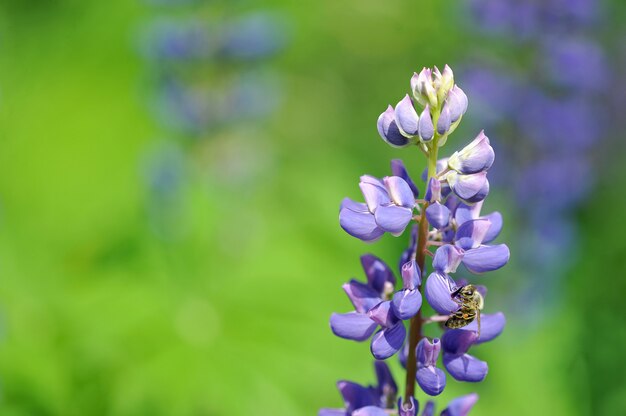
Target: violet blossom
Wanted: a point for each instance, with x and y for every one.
(555, 108)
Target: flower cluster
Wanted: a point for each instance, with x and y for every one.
(555, 104)
(181, 50)
(209, 77)
(448, 218)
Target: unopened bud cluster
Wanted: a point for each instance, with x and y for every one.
(435, 106)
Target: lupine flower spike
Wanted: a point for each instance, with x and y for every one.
(388, 311)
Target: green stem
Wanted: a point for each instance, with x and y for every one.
(415, 327)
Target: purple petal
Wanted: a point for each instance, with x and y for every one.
(372, 179)
(389, 131)
(429, 409)
(496, 226)
(406, 116)
(457, 103)
(411, 275)
(460, 406)
(387, 386)
(433, 191)
(444, 121)
(467, 187)
(361, 225)
(353, 206)
(370, 411)
(481, 194)
(486, 258)
(472, 233)
(406, 303)
(374, 194)
(398, 169)
(458, 341)
(438, 215)
(465, 367)
(379, 275)
(408, 409)
(447, 259)
(431, 379)
(466, 212)
(399, 191)
(475, 157)
(427, 352)
(383, 315)
(392, 218)
(425, 128)
(438, 293)
(363, 296)
(387, 342)
(491, 325)
(352, 325)
(355, 396)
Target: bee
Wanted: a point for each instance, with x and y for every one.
(471, 303)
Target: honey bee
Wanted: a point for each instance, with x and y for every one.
(471, 303)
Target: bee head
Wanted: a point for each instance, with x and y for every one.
(468, 291)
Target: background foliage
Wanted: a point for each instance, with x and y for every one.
(101, 317)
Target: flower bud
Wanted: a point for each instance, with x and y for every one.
(408, 409)
(411, 275)
(406, 117)
(389, 130)
(436, 78)
(471, 188)
(426, 129)
(443, 123)
(424, 87)
(447, 81)
(475, 157)
(415, 91)
(433, 191)
(438, 215)
(457, 103)
(428, 352)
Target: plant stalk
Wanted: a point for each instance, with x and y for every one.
(415, 327)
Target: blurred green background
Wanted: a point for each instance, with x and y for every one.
(99, 316)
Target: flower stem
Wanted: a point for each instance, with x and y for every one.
(415, 328)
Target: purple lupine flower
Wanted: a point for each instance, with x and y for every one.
(366, 399)
(388, 207)
(431, 379)
(389, 131)
(467, 237)
(358, 325)
(406, 117)
(407, 302)
(457, 342)
(373, 310)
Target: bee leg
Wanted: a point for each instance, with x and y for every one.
(478, 321)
